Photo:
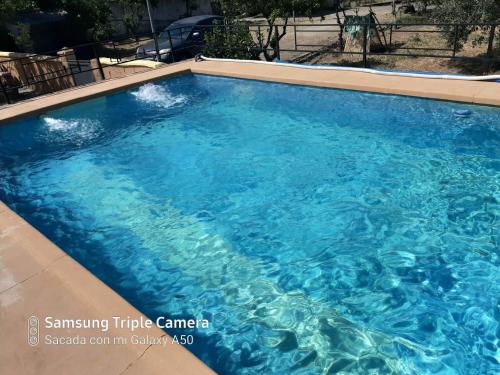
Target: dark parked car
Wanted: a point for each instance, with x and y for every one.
(187, 37)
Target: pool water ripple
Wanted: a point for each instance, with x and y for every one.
(320, 231)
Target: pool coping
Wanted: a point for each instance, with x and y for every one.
(472, 92)
(36, 277)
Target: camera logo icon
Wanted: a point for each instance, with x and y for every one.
(33, 331)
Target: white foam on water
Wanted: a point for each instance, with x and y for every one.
(74, 129)
(158, 96)
(54, 124)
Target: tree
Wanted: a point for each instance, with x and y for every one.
(22, 37)
(231, 39)
(19, 35)
(467, 13)
(9, 8)
(132, 15)
(89, 15)
(274, 11)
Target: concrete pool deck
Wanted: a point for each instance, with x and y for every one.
(37, 278)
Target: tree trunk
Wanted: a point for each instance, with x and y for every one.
(270, 37)
(341, 32)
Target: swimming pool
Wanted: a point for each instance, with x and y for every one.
(317, 230)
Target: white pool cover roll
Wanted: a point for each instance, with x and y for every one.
(362, 70)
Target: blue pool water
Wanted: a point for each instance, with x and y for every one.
(319, 231)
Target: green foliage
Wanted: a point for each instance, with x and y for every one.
(22, 37)
(9, 8)
(468, 13)
(89, 15)
(231, 40)
(8, 11)
(274, 11)
(132, 14)
(412, 19)
(270, 9)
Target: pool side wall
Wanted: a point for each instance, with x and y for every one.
(38, 278)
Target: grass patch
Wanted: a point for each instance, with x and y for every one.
(412, 18)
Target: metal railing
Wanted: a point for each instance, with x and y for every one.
(28, 65)
(388, 30)
(296, 41)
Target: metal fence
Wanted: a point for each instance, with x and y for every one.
(298, 41)
(295, 41)
(32, 75)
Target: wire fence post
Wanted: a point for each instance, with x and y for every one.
(260, 39)
(491, 40)
(455, 41)
(117, 54)
(295, 36)
(390, 39)
(278, 53)
(4, 91)
(157, 48)
(365, 42)
(25, 74)
(171, 46)
(78, 64)
(98, 60)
